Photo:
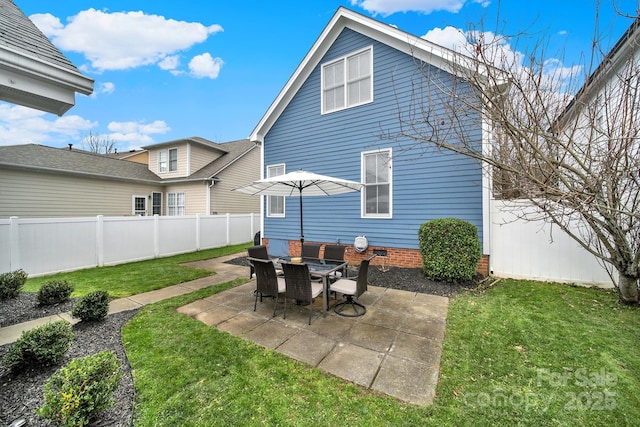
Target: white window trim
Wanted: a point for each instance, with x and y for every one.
(363, 199)
(184, 206)
(160, 152)
(345, 80)
(284, 205)
(133, 204)
(167, 161)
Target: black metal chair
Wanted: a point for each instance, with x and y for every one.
(351, 289)
(267, 282)
(298, 286)
(335, 254)
(258, 251)
(311, 251)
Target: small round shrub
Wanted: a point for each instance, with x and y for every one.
(91, 307)
(450, 249)
(41, 346)
(11, 283)
(54, 292)
(78, 391)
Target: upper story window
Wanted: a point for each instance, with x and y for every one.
(348, 81)
(275, 204)
(168, 160)
(377, 190)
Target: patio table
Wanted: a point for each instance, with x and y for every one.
(320, 268)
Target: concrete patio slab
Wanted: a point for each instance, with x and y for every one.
(428, 328)
(196, 307)
(410, 381)
(416, 348)
(216, 315)
(271, 334)
(373, 337)
(353, 363)
(308, 347)
(241, 324)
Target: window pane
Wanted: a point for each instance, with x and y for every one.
(383, 199)
(370, 169)
(382, 167)
(275, 204)
(371, 195)
(173, 159)
(162, 161)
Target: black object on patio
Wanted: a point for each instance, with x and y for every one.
(351, 289)
(299, 286)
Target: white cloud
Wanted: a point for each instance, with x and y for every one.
(389, 7)
(169, 62)
(22, 125)
(205, 66)
(103, 88)
(123, 40)
(136, 132)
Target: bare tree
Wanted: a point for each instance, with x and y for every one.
(570, 149)
(99, 144)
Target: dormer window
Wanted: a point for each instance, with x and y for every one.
(168, 160)
(347, 81)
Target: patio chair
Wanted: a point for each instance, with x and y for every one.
(334, 253)
(351, 289)
(257, 251)
(267, 282)
(298, 286)
(311, 251)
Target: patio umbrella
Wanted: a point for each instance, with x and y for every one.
(300, 183)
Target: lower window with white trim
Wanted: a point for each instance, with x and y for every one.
(376, 177)
(175, 204)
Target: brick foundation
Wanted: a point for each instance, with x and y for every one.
(396, 257)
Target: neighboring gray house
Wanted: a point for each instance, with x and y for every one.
(33, 72)
(329, 118)
(183, 177)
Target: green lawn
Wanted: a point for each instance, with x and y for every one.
(519, 353)
(134, 278)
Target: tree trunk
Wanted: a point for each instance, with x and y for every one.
(627, 289)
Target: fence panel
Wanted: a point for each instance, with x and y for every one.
(128, 239)
(176, 234)
(539, 251)
(49, 245)
(213, 232)
(56, 245)
(5, 245)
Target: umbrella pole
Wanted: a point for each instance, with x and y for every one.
(301, 228)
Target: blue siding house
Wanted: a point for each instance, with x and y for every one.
(338, 115)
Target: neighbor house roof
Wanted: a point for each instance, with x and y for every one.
(36, 158)
(66, 161)
(34, 72)
(624, 50)
(410, 44)
(192, 140)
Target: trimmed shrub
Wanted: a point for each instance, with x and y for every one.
(91, 307)
(54, 292)
(450, 249)
(11, 283)
(41, 346)
(78, 391)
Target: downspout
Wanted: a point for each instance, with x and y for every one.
(209, 185)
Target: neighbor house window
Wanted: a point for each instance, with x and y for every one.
(168, 160)
(348, 81)
(173, 159)
(275, 204)
(376, 177)
(162, 161)
(175, 204)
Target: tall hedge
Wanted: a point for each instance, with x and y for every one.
(450, 249)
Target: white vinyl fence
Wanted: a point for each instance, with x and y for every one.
(539, 251)
(49, 245)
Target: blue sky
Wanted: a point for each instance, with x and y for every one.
(165, 70)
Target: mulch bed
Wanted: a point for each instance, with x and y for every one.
(22, 393)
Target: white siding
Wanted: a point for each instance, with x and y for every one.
(242, 172)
